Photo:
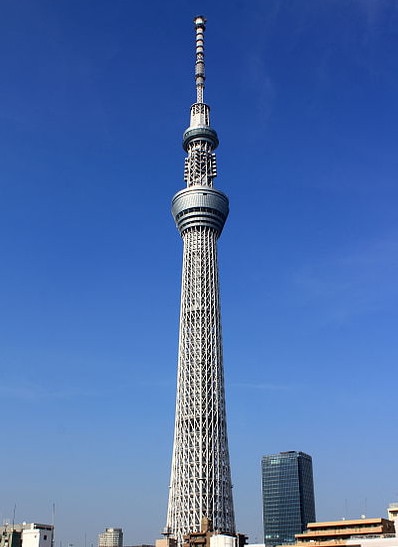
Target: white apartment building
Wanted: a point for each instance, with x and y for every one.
(112, 537)
(37, 535)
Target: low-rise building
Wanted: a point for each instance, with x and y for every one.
(347, 532)
(10, 538)
(27, 535)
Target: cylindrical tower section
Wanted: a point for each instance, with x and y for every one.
(200, 206)
(200, 477)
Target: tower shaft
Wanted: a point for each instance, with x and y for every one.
(200, 476)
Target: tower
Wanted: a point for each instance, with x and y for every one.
(288, 496)
(200, 486)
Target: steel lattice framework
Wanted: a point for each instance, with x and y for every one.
(200, 475)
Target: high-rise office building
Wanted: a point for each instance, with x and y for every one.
(288, 496)
(112, 537)
(200, 488)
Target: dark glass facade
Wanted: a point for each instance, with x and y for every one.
(288, 496)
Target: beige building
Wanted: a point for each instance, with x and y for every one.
(354, 532)
(393, 512)
(207, 537)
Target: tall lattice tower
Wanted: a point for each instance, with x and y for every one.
(200, 475)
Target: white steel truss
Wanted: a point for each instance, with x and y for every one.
(200, 477)
(200, 483)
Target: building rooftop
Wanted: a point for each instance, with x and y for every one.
(327, 534)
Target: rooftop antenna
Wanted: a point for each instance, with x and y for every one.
(13, 515)
(53, 525)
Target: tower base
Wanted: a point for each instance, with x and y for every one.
(208, 538)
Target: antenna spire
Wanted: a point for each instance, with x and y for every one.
(200, 26)
(200, 140)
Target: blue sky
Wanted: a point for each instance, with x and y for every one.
(94, 98)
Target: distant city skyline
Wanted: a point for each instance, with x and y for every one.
(92, 102)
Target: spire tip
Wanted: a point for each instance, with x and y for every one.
(200, 21)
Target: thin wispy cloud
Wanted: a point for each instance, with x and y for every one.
(37, 393)
(359, 282)
(262, 85)
(31, 392)
(262, 386)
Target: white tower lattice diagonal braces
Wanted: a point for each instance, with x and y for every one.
(200, 475)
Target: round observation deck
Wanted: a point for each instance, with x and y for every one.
(201, 134)
(200, 206)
